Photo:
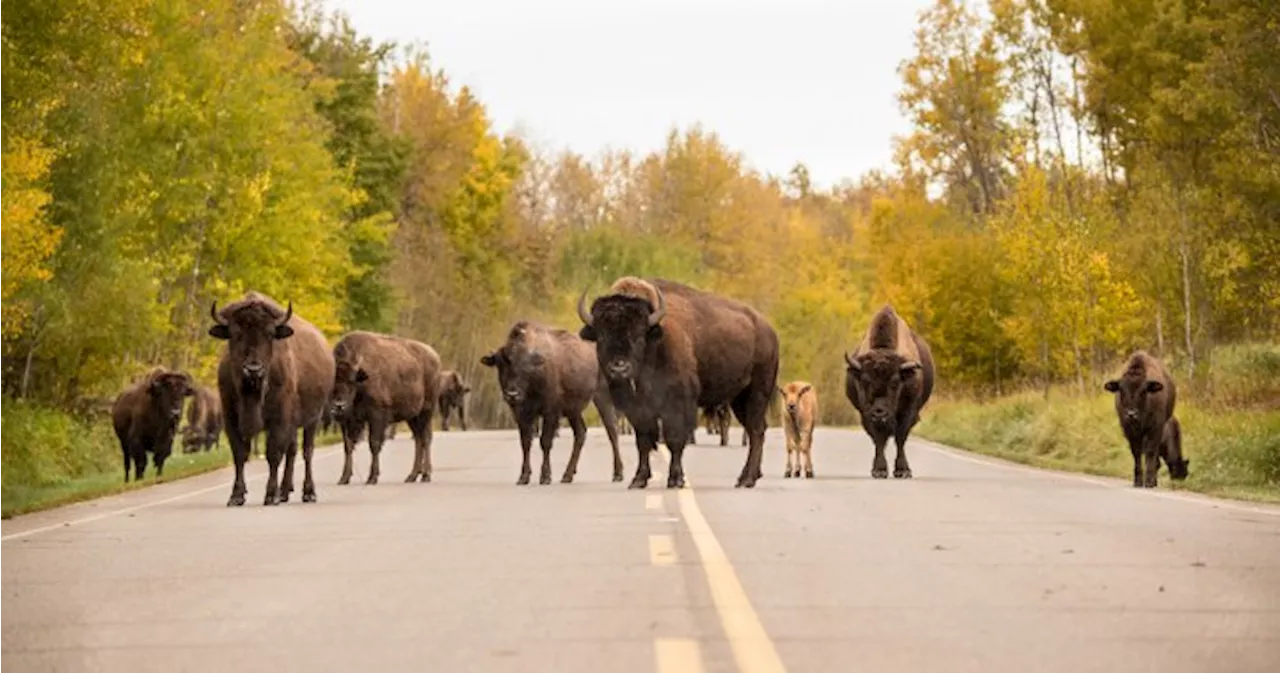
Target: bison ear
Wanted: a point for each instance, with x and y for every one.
(1112, 386)
(283, 332)
(587, 333)
(1154, 386)
(804, 390)
(655, 332)
(909, 368)
(153, 388)
(220, 332)
(489, 360)
(361, 376)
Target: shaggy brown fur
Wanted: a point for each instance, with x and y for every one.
(667, 350)
(275, 375)
(145, 417)
(546, 374)
(888, 380)
(800, 407)
(453, 392)
(1145, 399)
(204, 421)
(379, 380)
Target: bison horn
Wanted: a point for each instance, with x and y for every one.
(853, 364)
(582, 309)
(287, 314)
(911, 366)
(213, 313)
(660, 312)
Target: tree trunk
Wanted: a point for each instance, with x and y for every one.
(1159, 330)
(1185, 254)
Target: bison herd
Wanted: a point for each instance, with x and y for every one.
(650, 355)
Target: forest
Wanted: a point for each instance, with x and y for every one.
(1082, 178)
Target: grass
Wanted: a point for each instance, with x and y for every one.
(50, 458)
(1234, 452)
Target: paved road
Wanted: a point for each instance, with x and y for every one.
(971, 566)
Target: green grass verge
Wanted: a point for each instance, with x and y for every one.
(1234, 453)
(49, 459)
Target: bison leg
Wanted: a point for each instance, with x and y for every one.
(1135, 448)
(879, 466)
(526, 442)
(676, 435)
(278, 440)
(646, 432)
(348, 452)
(806, 449)
(609, 416)
(462, 416)
(550, 428)
(240, 454)
(901, 468)
(139, 461)
(308, 450)
(286, 479)
(377, 431)
(579, 427)
(444, 417)
(751, 408)
(424, 470)
(1151, 462)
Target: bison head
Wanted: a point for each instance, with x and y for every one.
(167, 391)
(1131, 396)
(875, 379)
(349, 380)
(251, 330)
(1178, 468)
(622, 327)
(791, 395)
(520, 366)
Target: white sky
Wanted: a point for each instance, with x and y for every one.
(779, 80)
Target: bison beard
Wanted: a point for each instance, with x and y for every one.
(275, 375)
(888, 380)
(667, 350)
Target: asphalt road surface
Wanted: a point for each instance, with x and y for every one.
(972, 565)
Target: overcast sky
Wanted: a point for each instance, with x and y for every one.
(781, 81)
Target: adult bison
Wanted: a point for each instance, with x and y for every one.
(145, 417)
(275, 375)
(889, 378)
(204, 421)
(453, 392)
(667, 350)
(1145, 398)
(378, 381)
(546, 374)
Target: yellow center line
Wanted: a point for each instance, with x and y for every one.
(677, 655)
(751, 646)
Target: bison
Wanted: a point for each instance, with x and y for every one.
(667, 350)
(275, 375)
(378, 381)
(145, 417)
(801, 409)
(1145, 398)
(1171, 450)
(204, 421)
(453, 392)
(889, 379)
(545, 374)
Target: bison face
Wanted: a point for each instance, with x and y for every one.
(168, 391)
(348, 384)
(875, 380)
(251, 332)
(1131, 397)
(519, 367)
(1178, 469)
(791, 397)
(622, 328)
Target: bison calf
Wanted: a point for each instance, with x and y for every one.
(453, 394)
(801, 414)
(1145, 398)
(378, 381)
(145, 417)
(546, 374)
(889, 379)
(204, 421)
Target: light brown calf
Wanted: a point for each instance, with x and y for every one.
(801, 414)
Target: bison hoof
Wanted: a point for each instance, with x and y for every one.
(808, 474)
(744, 482)
(543, 480)
(413, 476)
(309, 496)
(270, 500)
(638, 482)
(523, 480)
(901, 473)
(617, 477)
(566, 479)
(373, 479)
(284, 497)
(425, 478)
(879, 473)
(346, 479)
(236, 500)
(786, 475)
(675, 482)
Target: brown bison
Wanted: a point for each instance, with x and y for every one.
(801, 414)
(1171, 450)
(145, 417)
(889, 379)
(204, 421)
(717, 422)
(379, 380)
(453, 393)
(1145, 398)
(667, 350)
(546, 374)
(275, 375)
